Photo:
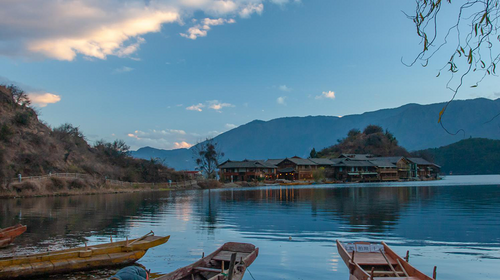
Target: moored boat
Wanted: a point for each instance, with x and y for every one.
(81, 258)
(229, 262)
(7, 235)
(376, 261)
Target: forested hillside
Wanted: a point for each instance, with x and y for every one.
(31, 148)
(372, 140)
(470, 156)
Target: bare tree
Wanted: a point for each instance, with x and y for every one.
(207, 155)
(19, 96)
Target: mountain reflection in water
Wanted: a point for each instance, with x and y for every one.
(453, 226)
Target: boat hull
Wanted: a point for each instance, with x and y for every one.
(210, 267)
(384, 262)
(7, 235)
(83, 258)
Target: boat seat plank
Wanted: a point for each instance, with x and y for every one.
(226, 256)
(200, 268)
(396, 278)
(372, 259)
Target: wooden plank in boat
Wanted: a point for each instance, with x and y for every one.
(216, 270)
(372, 259)
(226, 256)
(396, 278)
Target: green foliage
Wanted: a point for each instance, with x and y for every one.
(371, 129)
(319, 174)
(313, 153)
(373, 140)
(70, 134)
(6, 132)
(473, 31)
(470, 156)
(207, 156)
(116, 150)
(2, 164)
(353, 133)
(23, 118)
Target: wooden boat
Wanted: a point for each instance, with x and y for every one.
(7, 235)
(369, 261)
(229, 262)
(81, 258)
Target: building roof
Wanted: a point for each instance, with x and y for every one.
(357, 156)
(393, 160)
(337, 160)
(421, 161)
(274, 161)
(246, 164)
(301, 161)
(382, 163)
(356, 163)
(321, 161)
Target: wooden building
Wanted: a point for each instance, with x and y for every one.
(348, 170)
(246, 170)
(296, 168)
(426, 170)
(386, 170)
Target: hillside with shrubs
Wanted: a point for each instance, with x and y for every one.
(372, 140)
(32, 148)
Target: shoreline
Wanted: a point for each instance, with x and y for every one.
(54, 186)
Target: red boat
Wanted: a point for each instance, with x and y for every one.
(376, 261)
(229, 262)
(7, 235)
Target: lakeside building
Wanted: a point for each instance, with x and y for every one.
(296, 168)
(247, 170)
(345, 168)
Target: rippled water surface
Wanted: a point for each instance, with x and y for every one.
(453, 223)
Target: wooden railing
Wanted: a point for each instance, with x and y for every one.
(108, 181)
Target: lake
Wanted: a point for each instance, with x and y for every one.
(453, 223)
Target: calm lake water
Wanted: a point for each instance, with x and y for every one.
(453, 223)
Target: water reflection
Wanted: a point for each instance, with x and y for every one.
(442, 224)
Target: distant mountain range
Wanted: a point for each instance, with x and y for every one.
(415, 127)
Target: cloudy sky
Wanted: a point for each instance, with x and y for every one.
(168, 73)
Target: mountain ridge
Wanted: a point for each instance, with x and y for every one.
(414, 125)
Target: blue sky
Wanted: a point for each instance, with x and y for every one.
(169, 73)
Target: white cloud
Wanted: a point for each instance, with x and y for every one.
(230, 126)
(196, 107)
(166, 138)
(123, 69)
(217, 106)
(211, 104)
(200, 30)
(284, 88)
(251, 9)
(177, 131)
(281, 100)
(97, 29)
(90, 28)
(42, 99)
(182, 145)
(326, 94)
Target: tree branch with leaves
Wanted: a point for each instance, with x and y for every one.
(477, 39)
